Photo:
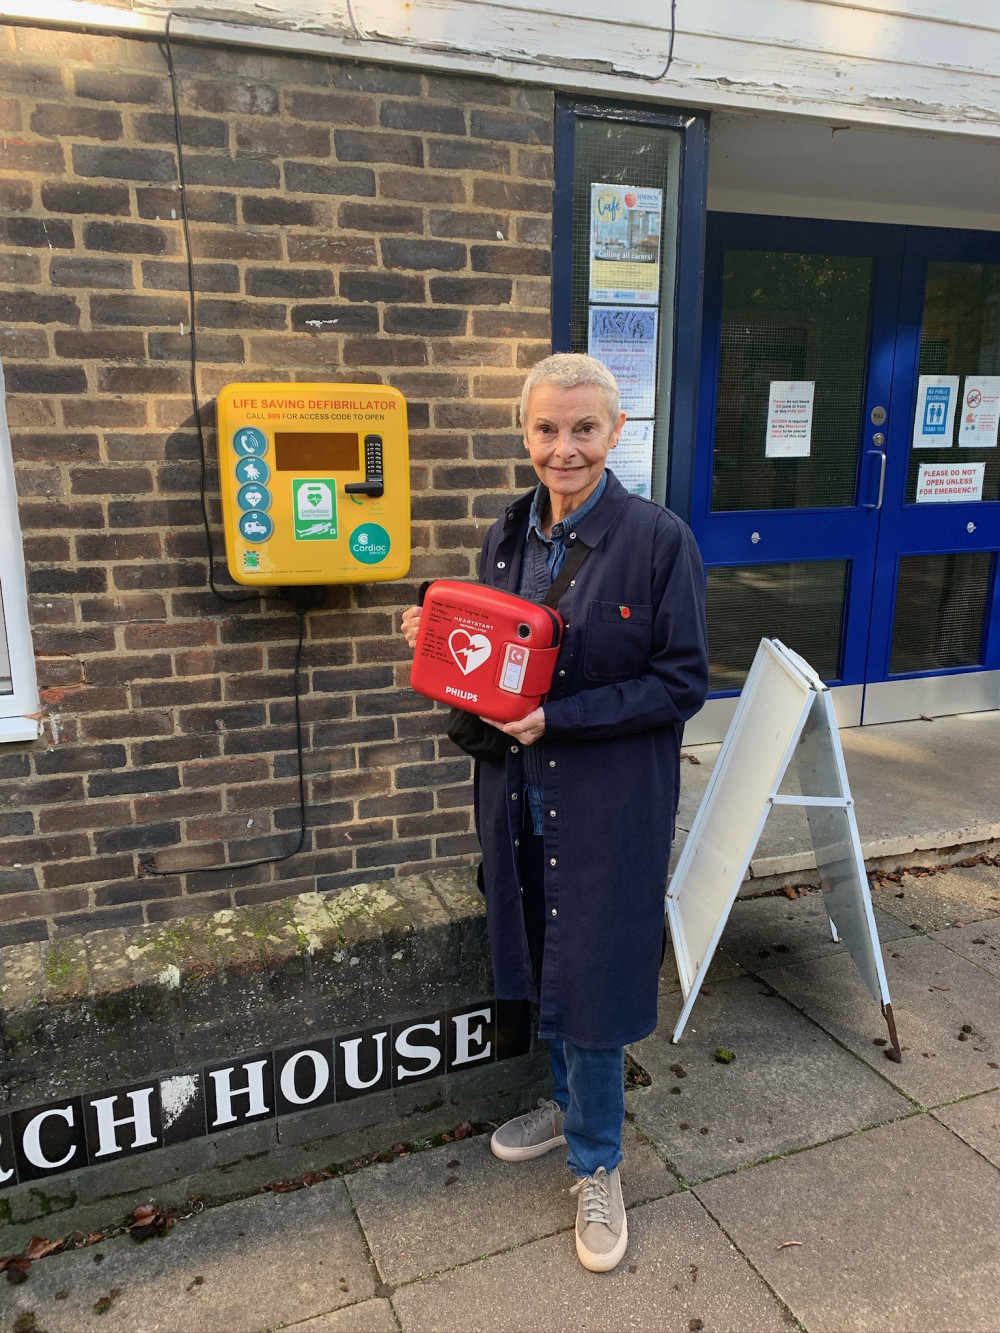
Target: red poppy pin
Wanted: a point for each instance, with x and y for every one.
(625, 612)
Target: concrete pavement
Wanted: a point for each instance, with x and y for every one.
(810, 1183)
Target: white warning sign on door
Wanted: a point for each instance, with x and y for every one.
(789, 419)
(949, 483)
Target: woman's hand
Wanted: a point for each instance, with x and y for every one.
(411, 624)
(528, 730)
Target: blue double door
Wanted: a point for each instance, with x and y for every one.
(847, 472)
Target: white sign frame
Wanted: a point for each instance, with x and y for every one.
(783, 703)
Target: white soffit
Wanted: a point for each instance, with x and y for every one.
(827, 169)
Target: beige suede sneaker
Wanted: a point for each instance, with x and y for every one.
(530, 1135)
(601, 1224)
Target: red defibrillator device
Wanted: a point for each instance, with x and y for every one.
(485, 651)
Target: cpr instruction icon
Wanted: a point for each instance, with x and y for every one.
(252, 470)
(250, 442)
(369, 543)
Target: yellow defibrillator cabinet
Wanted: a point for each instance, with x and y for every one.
(315, 482)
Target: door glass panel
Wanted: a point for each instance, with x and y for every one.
(798, 317)
(960, 336)
(800, 603)
(940, 615)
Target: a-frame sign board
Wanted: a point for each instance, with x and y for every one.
(785, 712)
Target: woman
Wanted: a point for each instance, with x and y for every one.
(576, 823)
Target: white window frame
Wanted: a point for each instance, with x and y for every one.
(19, 710)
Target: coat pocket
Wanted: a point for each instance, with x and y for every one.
(619, 641)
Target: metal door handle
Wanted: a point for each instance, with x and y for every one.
(881, 481)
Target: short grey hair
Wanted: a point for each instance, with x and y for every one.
(567, 370)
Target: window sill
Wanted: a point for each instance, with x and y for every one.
(19, 729)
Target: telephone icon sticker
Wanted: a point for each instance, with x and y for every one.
(314, 509)
(250, 442)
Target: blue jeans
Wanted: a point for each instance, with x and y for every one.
(590, 1087)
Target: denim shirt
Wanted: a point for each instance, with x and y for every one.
(543, 559)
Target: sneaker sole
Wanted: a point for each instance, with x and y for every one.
(507, 1154)
(603, 1263)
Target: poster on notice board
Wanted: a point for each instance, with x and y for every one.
(624, 339)
(625, 244)
(632, 461)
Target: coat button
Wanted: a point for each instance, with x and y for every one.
(513, 796)
(552, 860)
(517, 842)
(554, 912)
(552, 814)
(561, 672)
(510, 515)
(514, 749)
(572, 536)
(501, 564)
(552, 763)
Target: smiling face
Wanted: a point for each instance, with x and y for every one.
(568, 434)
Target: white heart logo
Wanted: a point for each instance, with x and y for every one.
(468, 650)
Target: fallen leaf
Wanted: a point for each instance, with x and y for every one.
(450, 1180)
(703, 1130)
(464, 1130)
(892, 1054)
(678, 1070)
(695, 1324)
(941, 985)
(958, 923)
(633, 1268)
(691, 758)
(195, 1282)
(785, 1244)
(723, 1056)
(38, 1247)
(789, 892)
(683, 1125)
(454, 1162)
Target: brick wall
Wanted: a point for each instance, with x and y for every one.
(349, 222)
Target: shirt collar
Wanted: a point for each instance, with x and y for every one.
(538, 508)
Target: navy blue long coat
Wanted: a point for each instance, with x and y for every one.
(632, 668)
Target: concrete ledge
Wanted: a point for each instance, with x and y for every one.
(116, 1007)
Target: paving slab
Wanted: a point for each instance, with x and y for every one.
(456, 1203)
(365, 1317)
(932, 902)
(720, 968)
(980, 943)
(763, 933)
(788, 1087)
(916, 785)
(976, 1121)
(896, 1231)
(246, 1267)
(680, 1273)
(934, 992)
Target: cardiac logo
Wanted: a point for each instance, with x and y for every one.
(468, 650)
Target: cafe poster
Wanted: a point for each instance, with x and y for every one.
(625, 244)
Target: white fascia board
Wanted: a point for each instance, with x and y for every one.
(784, 69)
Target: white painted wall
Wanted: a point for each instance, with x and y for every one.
(932, 64)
